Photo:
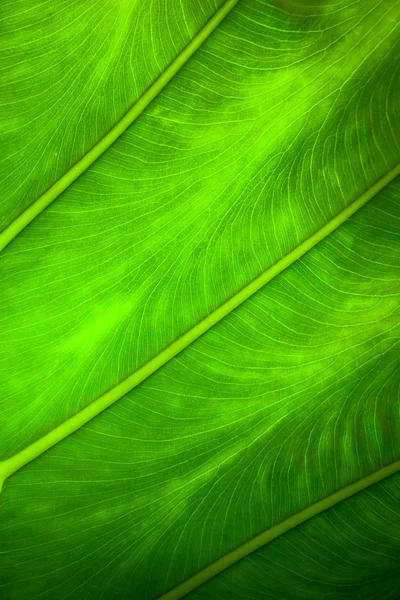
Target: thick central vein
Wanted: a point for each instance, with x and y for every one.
(16, 462)
(84, 163)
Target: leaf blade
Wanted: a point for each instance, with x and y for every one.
(265, 134)
(153, 281)
(33, 210)
(16, 462)
(360, 561)
(259, 541)
(168, 466)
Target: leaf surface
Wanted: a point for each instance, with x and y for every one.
(76, 68)
(279, 131)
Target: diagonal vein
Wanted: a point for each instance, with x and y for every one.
(102, 145)
(270, 534)
(16, 462)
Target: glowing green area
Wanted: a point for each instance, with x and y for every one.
(102, 145)
(96, 329)
(217, 266)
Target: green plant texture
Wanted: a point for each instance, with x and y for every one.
(199, 300)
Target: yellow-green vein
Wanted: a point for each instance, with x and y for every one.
(84, 163)
(22, 458)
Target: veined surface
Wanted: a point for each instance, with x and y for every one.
(281, 120)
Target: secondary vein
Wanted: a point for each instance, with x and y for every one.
(84, 163)
(270, 534)
(16, 462)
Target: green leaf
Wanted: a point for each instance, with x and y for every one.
(199, 302)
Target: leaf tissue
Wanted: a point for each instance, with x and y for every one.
(199, 300)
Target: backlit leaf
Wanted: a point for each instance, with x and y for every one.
(199, 301)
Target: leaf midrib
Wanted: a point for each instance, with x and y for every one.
(38, 206)
(16, 462)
